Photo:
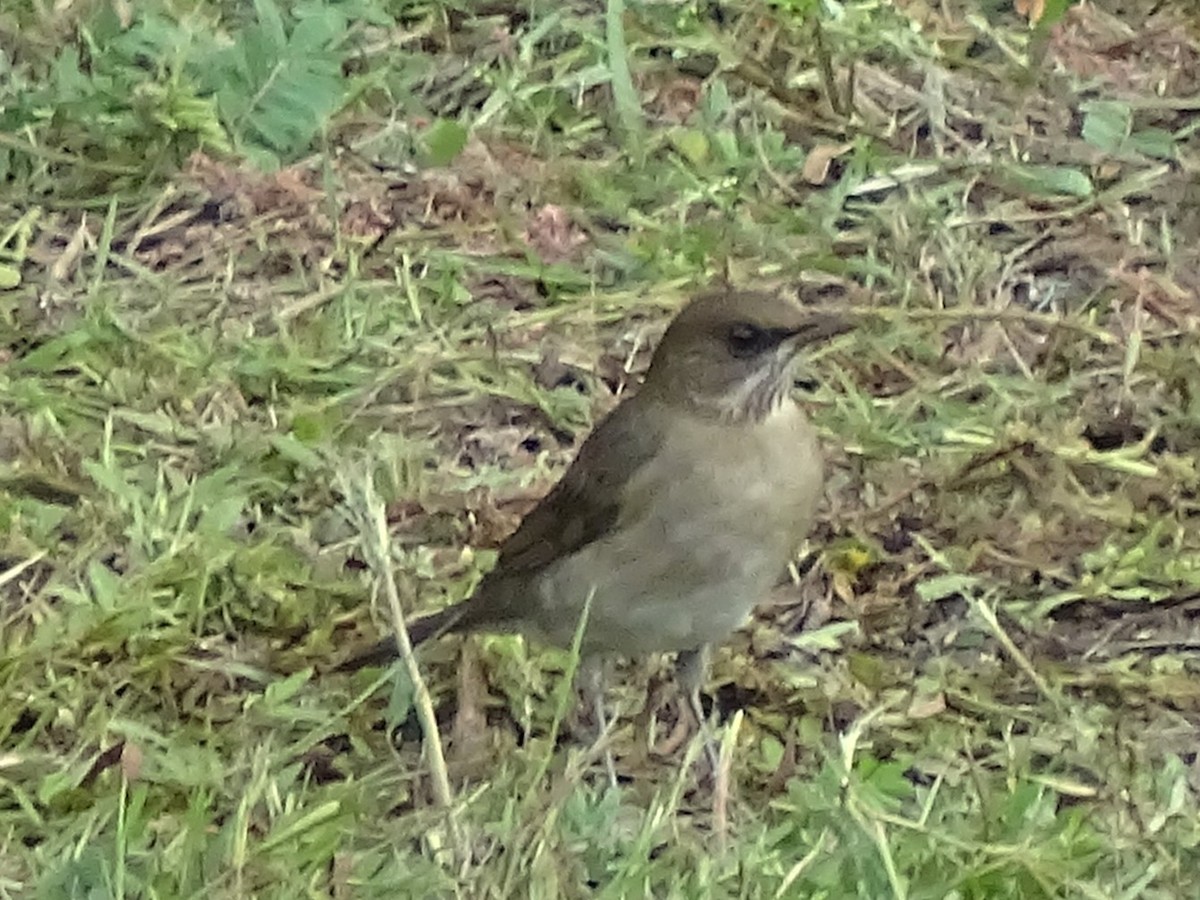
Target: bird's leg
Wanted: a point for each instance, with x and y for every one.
(691, 669)
(591, 681)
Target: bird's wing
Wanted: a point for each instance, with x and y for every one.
(579, 509)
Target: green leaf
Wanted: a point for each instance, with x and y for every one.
(292, 450)
(278, 693)
(106, 586)
(692, 144)
(867, 670)
(400, 702)
(111, 481)
(772, 751)
(271, 30)
(1106, 124)
(827, 637)
(942, 586)
(278, 90)
(444, 140)
(1051, 181)
(53, 353)
(625, 95)
(717, 104)
(1154, 142)
(726, 144)
(221, 516)
(309, 428)
(1053, 11)
(297, 825)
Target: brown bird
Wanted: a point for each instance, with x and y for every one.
(682, 507)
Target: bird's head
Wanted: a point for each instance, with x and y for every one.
(731, 354)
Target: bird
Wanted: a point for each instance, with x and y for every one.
(681, 509)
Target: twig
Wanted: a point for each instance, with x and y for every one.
(1010, 647)
(378, 545)
(951, 483)
(1045, 320)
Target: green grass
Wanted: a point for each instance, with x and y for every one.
(983, 685)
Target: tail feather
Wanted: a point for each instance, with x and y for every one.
(419, 631)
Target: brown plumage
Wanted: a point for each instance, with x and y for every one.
(682, 507)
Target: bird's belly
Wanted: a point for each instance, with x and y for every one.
(642, 598)
(707, 537)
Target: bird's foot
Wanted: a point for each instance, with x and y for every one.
(592, 683)
(712, 747)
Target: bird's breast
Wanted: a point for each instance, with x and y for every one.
(734, 486)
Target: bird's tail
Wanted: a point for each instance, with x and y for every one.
(419, 631)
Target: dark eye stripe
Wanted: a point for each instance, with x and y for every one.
(746, 340)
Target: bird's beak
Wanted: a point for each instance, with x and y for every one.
(819, 327)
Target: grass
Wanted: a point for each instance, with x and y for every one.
(259, 267)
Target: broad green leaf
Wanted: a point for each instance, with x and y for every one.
(692, 144)
(444, 140)
(278, 693)
(1106, 124)
(221, 516)
(293, 450)
(942, 586)
(1053, 181)
(1154, 142)
(106, 586)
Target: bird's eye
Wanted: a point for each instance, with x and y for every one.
(746, 340)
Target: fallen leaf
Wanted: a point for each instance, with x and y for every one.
(819, 159)
(927, 707)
